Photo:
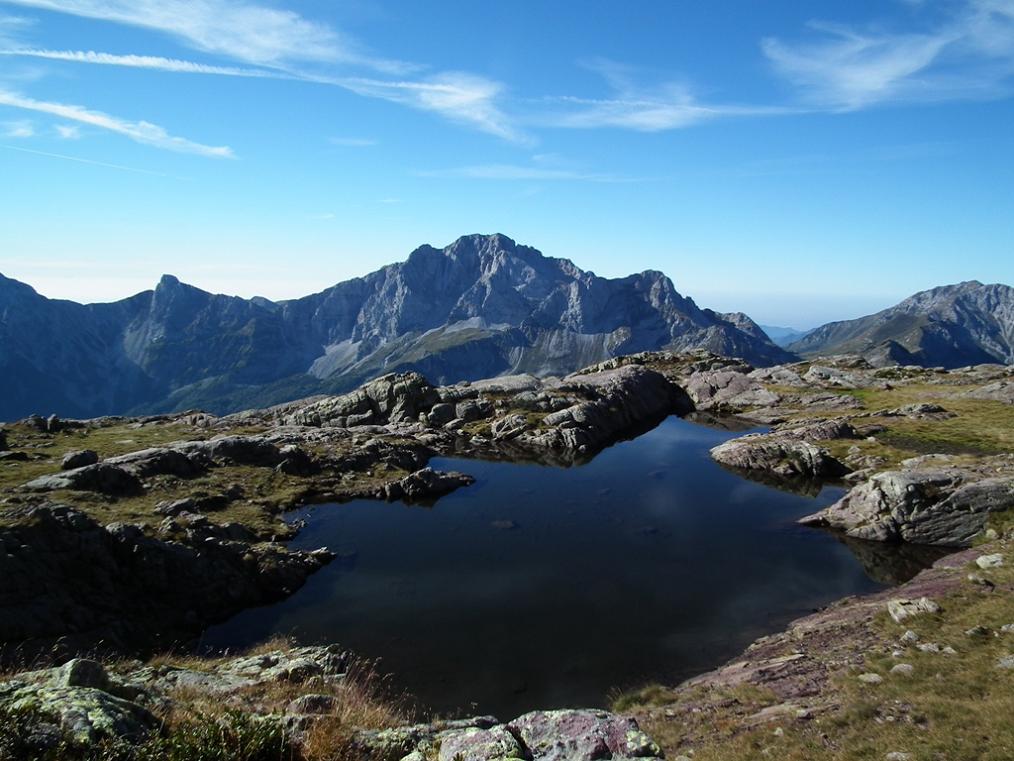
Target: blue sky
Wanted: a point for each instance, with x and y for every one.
(799, 161)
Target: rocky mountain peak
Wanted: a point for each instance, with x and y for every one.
(482, 306)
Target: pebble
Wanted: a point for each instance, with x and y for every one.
(1007, 629)
(930, 647)
(870, 678)
(977, 631)
(905, 669)
(909, 637)
(1007, 662)
(897, 755)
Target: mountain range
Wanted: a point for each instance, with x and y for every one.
(480, 307)
(951, 326)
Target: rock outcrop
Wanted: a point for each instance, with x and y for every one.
(783, 456)
(66, 579)
(561, 735)
(86, 703)
(922, 505)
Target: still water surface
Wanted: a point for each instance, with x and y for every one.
(548, 587)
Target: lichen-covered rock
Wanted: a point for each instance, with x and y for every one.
(477, 744)
(86, 714)
(942, 506)
(582, 735)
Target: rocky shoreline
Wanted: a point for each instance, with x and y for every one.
(132, 535)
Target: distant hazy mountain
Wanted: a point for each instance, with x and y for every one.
(783, 336)
(480, 307)
(951, 326)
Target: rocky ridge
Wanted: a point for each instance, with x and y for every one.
(480, 307)
(950, 326)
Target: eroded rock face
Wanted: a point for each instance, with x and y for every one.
(941, 506)
(65, 577)
(616, 400)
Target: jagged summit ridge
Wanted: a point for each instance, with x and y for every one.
(482, 306)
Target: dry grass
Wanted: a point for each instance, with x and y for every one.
(951, 708)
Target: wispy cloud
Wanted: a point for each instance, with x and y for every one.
(969, 55)
(239, 30)
(632, 105)
(11, 28)
(353, 142)
(521, 172)
(141, 132)
(79, 160)
(142, 62)
(21, 128)
(458, 96)
(67, 131)
(282, 44)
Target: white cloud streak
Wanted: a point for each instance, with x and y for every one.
(633, 106)
(464, 98)
(970, 55)
(141, 132)
(142, 62)
(79, 160)
(245, 32)
(521, 172)
(353, 142)
(281, 44)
